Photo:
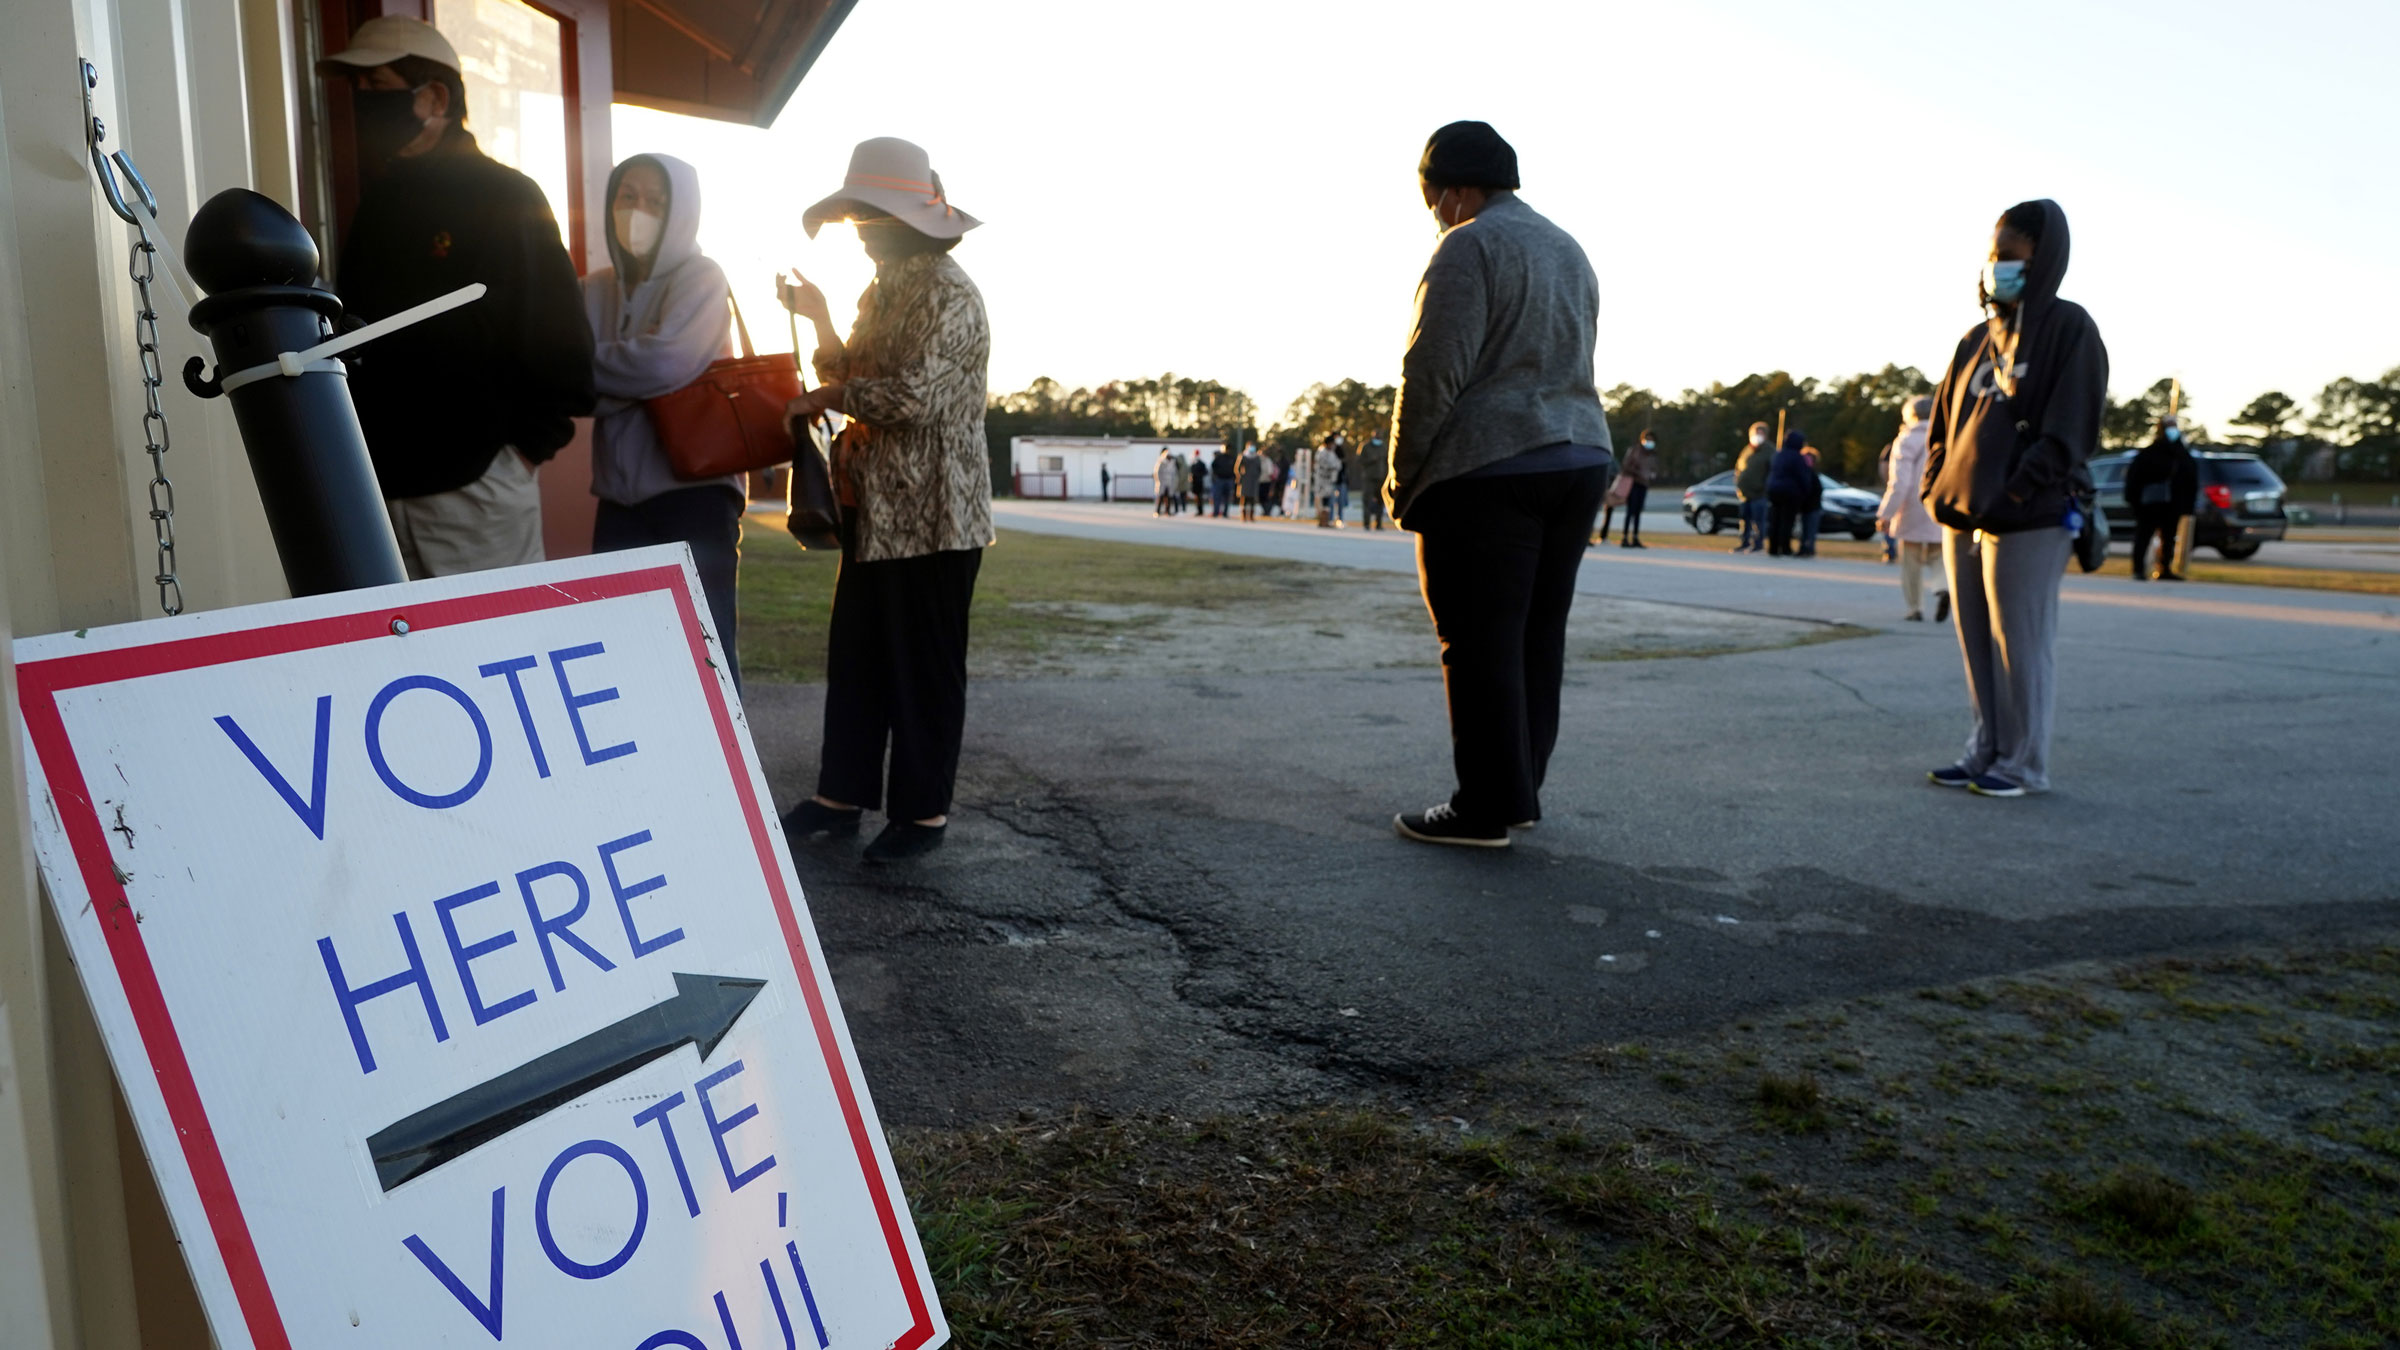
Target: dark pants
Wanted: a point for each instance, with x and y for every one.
(1782, 513)
(2161, 521)
(707, 518)
(1808, 530)
(896, 678)
(1371, 509)
(1220, 496)
(1497, 558)
(1754, 523)
(1636, 497)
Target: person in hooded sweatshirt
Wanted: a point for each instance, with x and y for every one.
(1500, 455)
(1787, 492)
(659, 318)
(2160, 485)
(2016, 417)
(1902, 516)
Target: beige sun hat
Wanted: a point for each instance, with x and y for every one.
(896, 177)
(387, 38)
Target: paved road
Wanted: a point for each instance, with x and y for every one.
(1184, 893)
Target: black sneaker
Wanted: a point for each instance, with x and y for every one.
(1952, 777)
(904, 839)
(1993, 785)
(1441, 825)
(813, 818)
(1941, 606)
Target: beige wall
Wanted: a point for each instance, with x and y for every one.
(187, 87)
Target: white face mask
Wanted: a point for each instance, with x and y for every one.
(1758, 440)
(638, 231)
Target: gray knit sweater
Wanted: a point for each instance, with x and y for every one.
(1500, 361)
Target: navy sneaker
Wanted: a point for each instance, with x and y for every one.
(1954, 776)
(1993, 785)
(1441, 825)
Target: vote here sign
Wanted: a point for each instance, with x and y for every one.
(444, 941)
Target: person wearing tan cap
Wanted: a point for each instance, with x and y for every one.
(913, 473)
(457, 410)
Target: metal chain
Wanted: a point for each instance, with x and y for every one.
(141, 265)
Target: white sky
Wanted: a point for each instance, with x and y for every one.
(1228, 190)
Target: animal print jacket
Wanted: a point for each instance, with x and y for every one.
(914, 463)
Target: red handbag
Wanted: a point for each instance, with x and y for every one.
(730, 420)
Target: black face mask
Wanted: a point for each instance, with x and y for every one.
(386, 120)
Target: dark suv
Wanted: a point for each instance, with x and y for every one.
(2240, 504)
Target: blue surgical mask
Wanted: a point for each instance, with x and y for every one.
(2004, 282)
(2174, 433)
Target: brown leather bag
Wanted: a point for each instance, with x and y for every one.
(730, 420)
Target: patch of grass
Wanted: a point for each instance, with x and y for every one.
(1161, 1232)
(1794, 1104)
(787, 594)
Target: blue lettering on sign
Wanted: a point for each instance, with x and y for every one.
(516, 691)
(718, 1129)
(464, 957)
(666, 1128)
(485, 1310)
(562, 925)
(641, 1210)
(437, 801)
(485, 1305)
(625, 894)
(350, 998)
(311, 811)
(576, 703)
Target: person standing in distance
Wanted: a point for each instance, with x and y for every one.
(2160, 485)
(1500, 455)
(1902, 516)
(2016, 417)
(1641, 462)
(458, 409)
(1750, 488)
(1373, 462)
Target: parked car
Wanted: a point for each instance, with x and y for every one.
(2240, 505)
(1711, 505)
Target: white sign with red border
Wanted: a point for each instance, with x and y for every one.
(446, 946)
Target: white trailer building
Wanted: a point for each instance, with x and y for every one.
(1063, 467)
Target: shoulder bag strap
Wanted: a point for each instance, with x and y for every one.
(739, 326)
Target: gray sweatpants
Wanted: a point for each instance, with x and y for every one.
(2005, 589)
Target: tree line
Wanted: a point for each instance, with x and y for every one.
(2352, 430)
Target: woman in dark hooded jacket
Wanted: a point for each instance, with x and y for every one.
(2015, 420)
(2160, 485)
(1788, 479)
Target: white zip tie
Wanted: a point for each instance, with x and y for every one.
(319, 358)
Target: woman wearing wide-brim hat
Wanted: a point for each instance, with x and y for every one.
(914, 477)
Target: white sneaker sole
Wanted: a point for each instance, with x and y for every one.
(1400, 827)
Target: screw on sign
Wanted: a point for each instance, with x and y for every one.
(472, 1000)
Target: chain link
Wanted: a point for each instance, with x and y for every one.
(141, 265)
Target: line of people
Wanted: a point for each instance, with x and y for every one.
(1317, 482)
(459, 411)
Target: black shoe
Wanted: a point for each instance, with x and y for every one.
(2164, 575)
(812, 818)
(1941, 606)
(1441, 825)
(903, 839)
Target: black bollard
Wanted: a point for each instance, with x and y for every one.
(307, 453)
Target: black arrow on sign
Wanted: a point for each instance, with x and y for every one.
(702, 1011)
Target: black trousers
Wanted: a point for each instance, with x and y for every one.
(2159, 521)
(896, 679)
(1782, 513)
(709, 519)
(1497, 558)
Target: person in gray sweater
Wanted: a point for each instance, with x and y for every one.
(1500, 456)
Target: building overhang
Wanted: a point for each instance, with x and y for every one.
(733, 60)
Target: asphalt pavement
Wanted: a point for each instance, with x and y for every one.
(1185, 894)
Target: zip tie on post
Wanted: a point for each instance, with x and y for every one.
(319, 359)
